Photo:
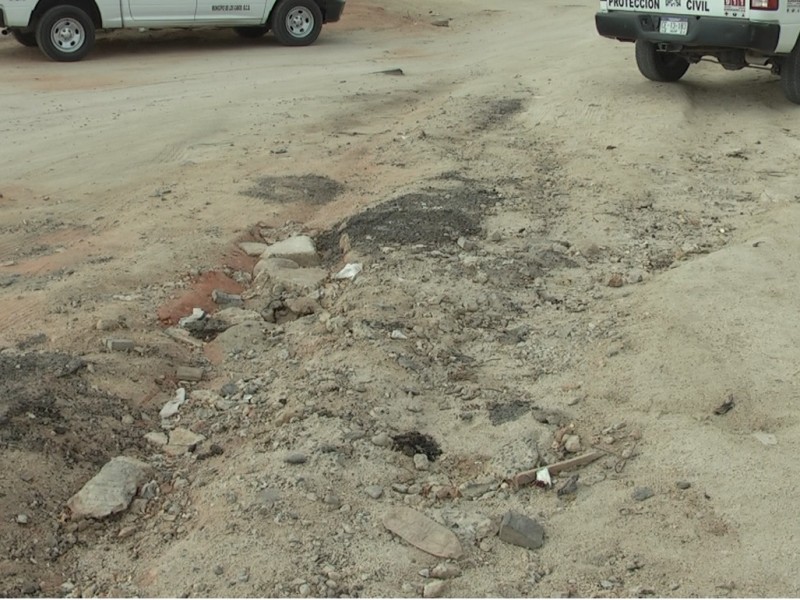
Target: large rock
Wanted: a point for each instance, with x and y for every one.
(182, 440)
(422, 532)
(299, 248)
(520, 530)
(289, 274)
(240, 338)
(111, 490)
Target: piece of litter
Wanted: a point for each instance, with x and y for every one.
(350, 271)
(527, 477)
(171, 408)
(543, 478)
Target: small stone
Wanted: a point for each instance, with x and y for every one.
(120, 344)
(683, 485)
(616, 280)
(606, 584)
(107, 325)
(642, 493)
(422, 532)
(189, 374)
(219, 570)
(520, 530)
(421, 462)
(126, 532)
(382, 439)
(400, 488)
(253, 248)
(374, 491)
(127, 420)
(182, 440)
(304, 590)
(434, 589)
(445, 571)
(572, 444)
(22, 519)
(156, 438)
(332, 500)
(295, 458)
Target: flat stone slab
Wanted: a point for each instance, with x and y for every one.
(111, 490)
(300, 249)
(422, 532)
(253, 248)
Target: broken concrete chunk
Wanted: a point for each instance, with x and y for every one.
(299, 248)
(189, 374)
(422, 532)
(519, 530)
(182, 440)
(111, 490)
(235, 316)
(120, 344)
(225, 299)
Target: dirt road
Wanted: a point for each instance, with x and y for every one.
(552, 246)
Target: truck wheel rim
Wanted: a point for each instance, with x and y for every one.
(67, 35)
(299, 22)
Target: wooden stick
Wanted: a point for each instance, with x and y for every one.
(527, 477)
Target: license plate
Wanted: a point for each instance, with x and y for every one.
(674, 26)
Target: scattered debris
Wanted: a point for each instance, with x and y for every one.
(527, 477)
(569, 487)
(414, 442)
(422, 532)
(520, 530)
(350, 271)
(111, 490)
(396, 72)
(725, 407)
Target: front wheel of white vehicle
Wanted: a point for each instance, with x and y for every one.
(65, 33)
(297, 22)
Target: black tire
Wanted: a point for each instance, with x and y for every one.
(251, 33)
(659, 66)
(790, 76)
(26, 38)
(65, 33)
(297, 22)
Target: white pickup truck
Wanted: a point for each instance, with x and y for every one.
(64, 30)
(670, 35)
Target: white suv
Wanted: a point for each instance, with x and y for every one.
(670, 35)
(65, 29)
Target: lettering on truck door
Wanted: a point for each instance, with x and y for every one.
(249, 11)
(164, 11)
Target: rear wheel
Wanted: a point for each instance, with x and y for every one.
(26, 38)
(790, 76)
(659, 66)
(65, 33)
(250, 33)
(297, 22)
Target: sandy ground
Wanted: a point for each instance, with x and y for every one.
(126, 180)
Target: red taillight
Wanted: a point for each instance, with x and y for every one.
(764, 4)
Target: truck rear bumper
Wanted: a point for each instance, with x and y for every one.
(333, 10)
(705, 32)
